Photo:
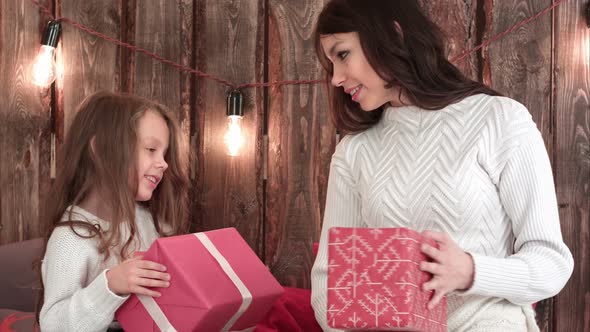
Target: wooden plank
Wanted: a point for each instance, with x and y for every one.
(572, 159)
(520, 63)
(25, 123)
(519, 66)
(165, 28)
(90, 63)
(228, 191)
(301, 141)
(458, 20)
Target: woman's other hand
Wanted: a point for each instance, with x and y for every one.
(451, 267)
(136, 275)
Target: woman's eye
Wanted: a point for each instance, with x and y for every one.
(342, 55)
(151, 149)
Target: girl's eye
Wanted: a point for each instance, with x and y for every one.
(342, 55)
(151, 149)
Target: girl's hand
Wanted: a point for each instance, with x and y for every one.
(451, 267)
(135, 275)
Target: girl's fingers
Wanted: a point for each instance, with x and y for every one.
(153, 283)
(149, 265)
(151, 274)
(145, 291)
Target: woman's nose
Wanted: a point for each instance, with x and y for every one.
(337, 77)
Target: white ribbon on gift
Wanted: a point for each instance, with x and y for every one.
(160, 318)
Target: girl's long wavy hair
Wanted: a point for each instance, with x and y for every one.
(412, 59)
(110, 121)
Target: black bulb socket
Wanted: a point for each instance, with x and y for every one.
(51, 34)
(234, 103)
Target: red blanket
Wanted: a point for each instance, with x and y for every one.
(291, 312)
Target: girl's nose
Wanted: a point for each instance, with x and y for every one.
(163, 164)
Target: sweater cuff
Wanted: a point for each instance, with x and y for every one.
(498, 276)
(103, 301)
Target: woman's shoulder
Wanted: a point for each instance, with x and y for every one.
(350, 144)
(493, 106)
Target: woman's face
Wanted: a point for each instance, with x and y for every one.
(354, 74)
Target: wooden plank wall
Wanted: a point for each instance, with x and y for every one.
(523, 73)
(274, 193)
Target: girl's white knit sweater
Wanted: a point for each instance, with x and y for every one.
(77, 297)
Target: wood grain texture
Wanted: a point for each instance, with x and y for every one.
(572, 160)
(89, 63)
(458, 20)
(519, 66)
(165, 28)
(228, 191)
(520, 63)
(301, 142)
(25, 123)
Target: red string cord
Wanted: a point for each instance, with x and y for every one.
(275, 83)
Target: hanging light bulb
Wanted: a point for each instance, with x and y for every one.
(44, 65)
(233, 136)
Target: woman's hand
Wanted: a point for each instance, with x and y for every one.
(451, 267)
(135, 275)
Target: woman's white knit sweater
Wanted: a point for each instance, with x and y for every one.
(77, 297)
(478, 170)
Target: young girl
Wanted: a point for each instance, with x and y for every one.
(121, 177)
(431, 150)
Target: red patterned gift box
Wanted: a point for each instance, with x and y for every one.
(374, 281)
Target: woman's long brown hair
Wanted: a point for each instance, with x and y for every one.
(110, 121)
(412, 59)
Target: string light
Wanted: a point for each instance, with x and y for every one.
(44, 65)
(233, 135)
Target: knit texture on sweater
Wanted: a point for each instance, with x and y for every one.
(478, 170)
(77, 297)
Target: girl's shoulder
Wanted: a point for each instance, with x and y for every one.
(79, 215)
(144, 217)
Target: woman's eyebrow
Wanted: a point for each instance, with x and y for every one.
(333, 48)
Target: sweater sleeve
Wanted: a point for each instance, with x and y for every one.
(343, 209)
(541, 263)
(71, 301)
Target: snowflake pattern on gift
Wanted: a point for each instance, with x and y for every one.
(374, 281)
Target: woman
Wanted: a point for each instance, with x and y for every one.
(429, 149)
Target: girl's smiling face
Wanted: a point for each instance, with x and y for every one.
(354, 74)
(152, 143)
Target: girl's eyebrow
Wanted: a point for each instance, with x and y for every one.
(151, 139)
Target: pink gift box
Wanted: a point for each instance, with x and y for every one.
(374, 281)
(217, 284)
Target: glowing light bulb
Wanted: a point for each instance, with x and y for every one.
(44, 66)
(44, 71)
(233, 136)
